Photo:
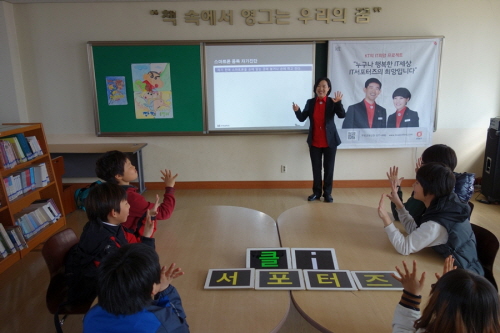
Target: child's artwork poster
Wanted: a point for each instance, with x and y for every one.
(115, 90)
(152, 91)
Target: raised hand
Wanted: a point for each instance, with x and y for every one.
(392, 175)
(410, 281)
(168, 275)
(337, 97)
(149, 224)
(448, 266)
(168, 178)
(418, 165)
(382, 212)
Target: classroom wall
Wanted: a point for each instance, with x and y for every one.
(51, 42)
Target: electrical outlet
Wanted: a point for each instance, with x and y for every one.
(283, 168)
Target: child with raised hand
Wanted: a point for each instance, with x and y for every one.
(115, 167)
(136, 295)
(460, 302)
(464, 182)
(445, 224)
(107, 209)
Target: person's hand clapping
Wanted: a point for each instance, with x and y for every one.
(382, 212)
(148, 225)
(392, 175)
(168, 275)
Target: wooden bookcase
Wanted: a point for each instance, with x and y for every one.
(51, 190)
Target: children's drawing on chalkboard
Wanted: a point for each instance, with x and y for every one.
(115, 90)
(152, 91)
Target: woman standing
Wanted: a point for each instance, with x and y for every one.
(323, 137)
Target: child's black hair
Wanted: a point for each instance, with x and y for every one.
(102, 199)
(126, 278)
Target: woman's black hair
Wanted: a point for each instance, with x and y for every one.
(327, 82)
(402, 92)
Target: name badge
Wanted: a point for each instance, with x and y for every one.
(380, 118)
(407, 120)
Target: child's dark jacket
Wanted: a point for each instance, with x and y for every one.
(98, 239)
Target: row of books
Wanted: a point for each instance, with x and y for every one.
(11, 240)
(29, 221)
(37, 216)
(26, 180)
(17, 148)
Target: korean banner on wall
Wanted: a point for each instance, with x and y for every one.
(389, 91)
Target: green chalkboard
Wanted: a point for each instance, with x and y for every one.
(179, 97)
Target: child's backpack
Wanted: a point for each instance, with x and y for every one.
(82, 193)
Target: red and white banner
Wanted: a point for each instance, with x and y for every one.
(390, 91)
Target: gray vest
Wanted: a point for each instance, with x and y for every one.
(461, 245)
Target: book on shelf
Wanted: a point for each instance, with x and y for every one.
(26, 226)
(8, 154)
(15, 240)
(3, 251)
(18, 151)
(51, 205)
(13, 186)
(36, 216)
(41, 175)
(5, 239)
(40, 219)
(45, 212)
(25, 177)
(25, 146)
(35, 145)
(19, 233)
(26, 180)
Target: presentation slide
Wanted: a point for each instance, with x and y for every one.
(251, 87)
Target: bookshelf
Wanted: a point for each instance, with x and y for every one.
(9, 208)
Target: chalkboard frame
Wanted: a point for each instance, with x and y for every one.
(115, 58)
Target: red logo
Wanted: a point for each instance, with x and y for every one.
(419, 134)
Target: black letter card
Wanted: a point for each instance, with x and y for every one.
(268, 258)
(376, 280)
(312, 258)
(329, 280)
(283, 279)
(230, 278)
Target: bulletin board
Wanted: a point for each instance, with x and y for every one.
(111, 62)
